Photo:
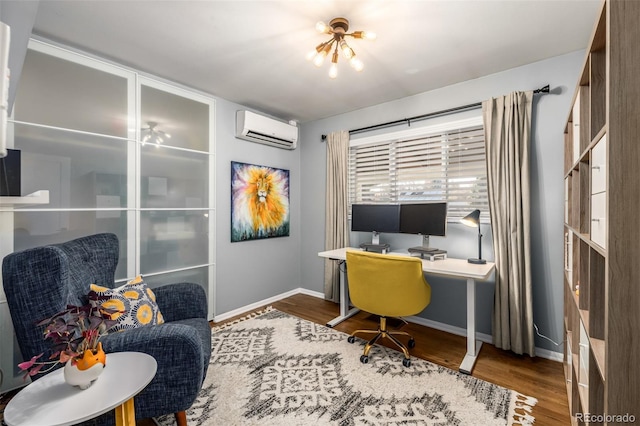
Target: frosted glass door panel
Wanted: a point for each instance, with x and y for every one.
(173, 178)
(34, 229)
(185, 120)
(198, 276)
(79, 170)
(61, 93)
(173, 240)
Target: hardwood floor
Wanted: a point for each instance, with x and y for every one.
(536, 377)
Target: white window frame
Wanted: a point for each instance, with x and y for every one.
(394, 139)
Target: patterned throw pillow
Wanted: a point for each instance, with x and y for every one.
(136, 301)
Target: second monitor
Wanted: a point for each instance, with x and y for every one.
(425, 219)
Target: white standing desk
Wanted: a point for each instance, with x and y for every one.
(452, 268)
(51, 401)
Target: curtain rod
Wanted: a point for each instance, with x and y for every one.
(408, 121)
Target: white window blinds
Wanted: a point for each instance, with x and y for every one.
(448, 165)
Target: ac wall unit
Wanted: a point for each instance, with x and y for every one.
(258, 128)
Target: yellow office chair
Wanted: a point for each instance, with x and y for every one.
(389, 286)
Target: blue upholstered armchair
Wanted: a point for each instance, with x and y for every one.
(41, 281)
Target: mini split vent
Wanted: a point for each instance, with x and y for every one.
(260, 129)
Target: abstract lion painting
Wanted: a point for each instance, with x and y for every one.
(259, 202)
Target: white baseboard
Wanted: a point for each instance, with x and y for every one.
(311, 293)
(546, 353)
(459, 331)
(251, 307)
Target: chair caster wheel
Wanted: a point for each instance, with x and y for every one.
(351, 339)
(405, 361)
(364, 359)
(411, 344)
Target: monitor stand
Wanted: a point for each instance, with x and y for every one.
(375, 245)
(430, 253)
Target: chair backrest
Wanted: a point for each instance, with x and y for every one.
(387, 285)
(41, 281)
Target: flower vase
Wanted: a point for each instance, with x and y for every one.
(86, 369)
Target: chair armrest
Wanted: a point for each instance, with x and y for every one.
(181, 301)
(177, 348)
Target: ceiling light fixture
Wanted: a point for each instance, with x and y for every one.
(337, 29)
(153, 134)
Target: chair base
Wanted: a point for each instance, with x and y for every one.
(383, 332)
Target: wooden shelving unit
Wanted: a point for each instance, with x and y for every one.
(602, 236)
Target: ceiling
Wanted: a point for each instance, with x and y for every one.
(253, 52)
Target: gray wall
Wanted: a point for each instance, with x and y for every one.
(448, 295)
(250, 271)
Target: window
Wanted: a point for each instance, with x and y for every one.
(436, 163)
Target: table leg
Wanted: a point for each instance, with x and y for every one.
(473, 345)
(125, 414)
(345, 312)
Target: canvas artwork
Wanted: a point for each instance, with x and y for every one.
(259, 202)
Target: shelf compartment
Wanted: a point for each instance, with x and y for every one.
(597, 85)
(575, 263)
(568, 257)
(585, 135)
(596, 388)
(597, 285)
(583, 295)
(584, 221)
(567, 197)
(568, 147)
(576, 126)
(599, 166)
(598, 350)
(599, 219)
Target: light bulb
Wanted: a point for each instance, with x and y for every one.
(348, 52)
(167, 135)
(356, 64)
(159, 140)
(369, 35)
(319, 59)
(315, 51)
(333, 71)
(321, 27)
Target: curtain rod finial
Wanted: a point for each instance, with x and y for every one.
(324, 137)
(544, 89)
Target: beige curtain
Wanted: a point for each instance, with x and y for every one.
(507, 124)
(337, 193)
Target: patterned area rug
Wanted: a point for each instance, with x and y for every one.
(274, 369)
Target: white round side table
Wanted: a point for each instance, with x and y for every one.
(51, 401)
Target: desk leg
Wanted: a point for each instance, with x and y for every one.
(125, 414)
(344, 300)
(473, 345)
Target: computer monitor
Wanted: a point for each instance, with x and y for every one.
(424, 219)
(375, 218)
